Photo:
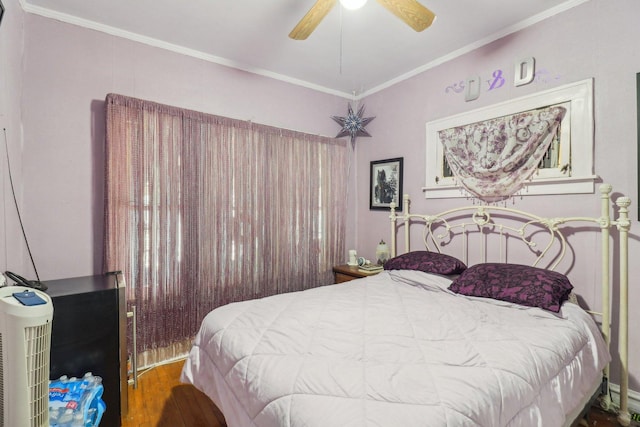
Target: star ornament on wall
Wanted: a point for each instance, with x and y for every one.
(353, 124)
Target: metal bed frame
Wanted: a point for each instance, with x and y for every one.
(483, 221)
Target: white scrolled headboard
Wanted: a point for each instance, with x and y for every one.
(483, 227)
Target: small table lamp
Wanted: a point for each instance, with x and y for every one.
(382, 252)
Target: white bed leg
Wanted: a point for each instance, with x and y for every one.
(406, 203)
(624, 419)
(605, 224)
(623, 225)
(394, 220)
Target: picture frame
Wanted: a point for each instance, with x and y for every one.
(385, 184)
(1, 11)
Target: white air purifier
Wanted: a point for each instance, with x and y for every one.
(25, 346)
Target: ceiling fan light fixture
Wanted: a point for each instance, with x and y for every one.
(352, 4)
(410, 12)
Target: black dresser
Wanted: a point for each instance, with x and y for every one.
(89, 335)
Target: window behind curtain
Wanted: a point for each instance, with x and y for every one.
(202, 210)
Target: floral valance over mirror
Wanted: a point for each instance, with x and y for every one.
(493, 159)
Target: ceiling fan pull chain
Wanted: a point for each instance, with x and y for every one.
(341, 43)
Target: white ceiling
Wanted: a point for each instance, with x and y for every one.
(351, 53)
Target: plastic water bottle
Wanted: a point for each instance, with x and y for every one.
(78, 420)
(54, 414)
(67, 417)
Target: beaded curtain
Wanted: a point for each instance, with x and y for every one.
(202, 211)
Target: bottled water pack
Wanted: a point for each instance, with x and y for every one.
(76, 402)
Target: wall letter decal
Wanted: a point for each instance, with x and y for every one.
(472, 91)
(525, 69)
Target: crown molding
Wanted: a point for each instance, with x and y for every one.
(74, 20)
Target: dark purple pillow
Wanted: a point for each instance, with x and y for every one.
(520, 284)
(429, 262)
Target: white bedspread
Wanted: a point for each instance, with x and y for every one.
(394, 349)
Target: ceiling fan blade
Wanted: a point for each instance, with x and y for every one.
(310, 21)
(411, 12)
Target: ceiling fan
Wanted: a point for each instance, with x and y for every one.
(411, 12)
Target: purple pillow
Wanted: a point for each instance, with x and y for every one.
(520, 284)
(429, 262)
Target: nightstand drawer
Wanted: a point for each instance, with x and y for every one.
(341, 277)
(344, 273)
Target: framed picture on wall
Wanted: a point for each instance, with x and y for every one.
(385, 184)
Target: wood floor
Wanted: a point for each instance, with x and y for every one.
(161, 400)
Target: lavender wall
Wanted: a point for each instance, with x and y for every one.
(68, 71)
(595, 40)
(12, 247)
(60, 74)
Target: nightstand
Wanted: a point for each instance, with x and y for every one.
(345, 272)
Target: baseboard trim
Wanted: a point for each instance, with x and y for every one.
(634, 398)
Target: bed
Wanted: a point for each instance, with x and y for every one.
(423, 343)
